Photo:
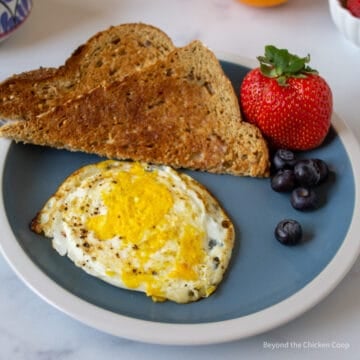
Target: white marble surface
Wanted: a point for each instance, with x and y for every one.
(33, 330)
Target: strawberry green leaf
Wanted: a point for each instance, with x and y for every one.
(268, 71)
(282, 80)
(280, 64)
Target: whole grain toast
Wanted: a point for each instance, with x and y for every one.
(107, 56)
(182, 111)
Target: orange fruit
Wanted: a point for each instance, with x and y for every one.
(263, 3)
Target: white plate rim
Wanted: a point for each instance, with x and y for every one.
(202, 333)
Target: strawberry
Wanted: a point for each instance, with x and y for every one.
(289, 102)
(354, 7)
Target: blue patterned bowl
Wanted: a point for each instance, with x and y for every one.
(13, 13)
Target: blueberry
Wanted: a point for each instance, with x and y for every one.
(303, 198)
(307, 172)
(284, 159)
(288, 232)
(283, 180)
(323, 169)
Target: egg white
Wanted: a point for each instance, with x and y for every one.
(182, 257)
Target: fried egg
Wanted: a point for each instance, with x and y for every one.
(140, 227)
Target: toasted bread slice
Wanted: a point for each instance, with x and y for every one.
(107, 56)
(181, 111)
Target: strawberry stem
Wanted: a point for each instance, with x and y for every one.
(279, 64)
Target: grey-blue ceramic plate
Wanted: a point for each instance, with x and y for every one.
(266, 284)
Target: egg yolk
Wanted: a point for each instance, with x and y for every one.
(139, 213)
(136, 203)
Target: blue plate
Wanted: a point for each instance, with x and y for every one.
(262, 272)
